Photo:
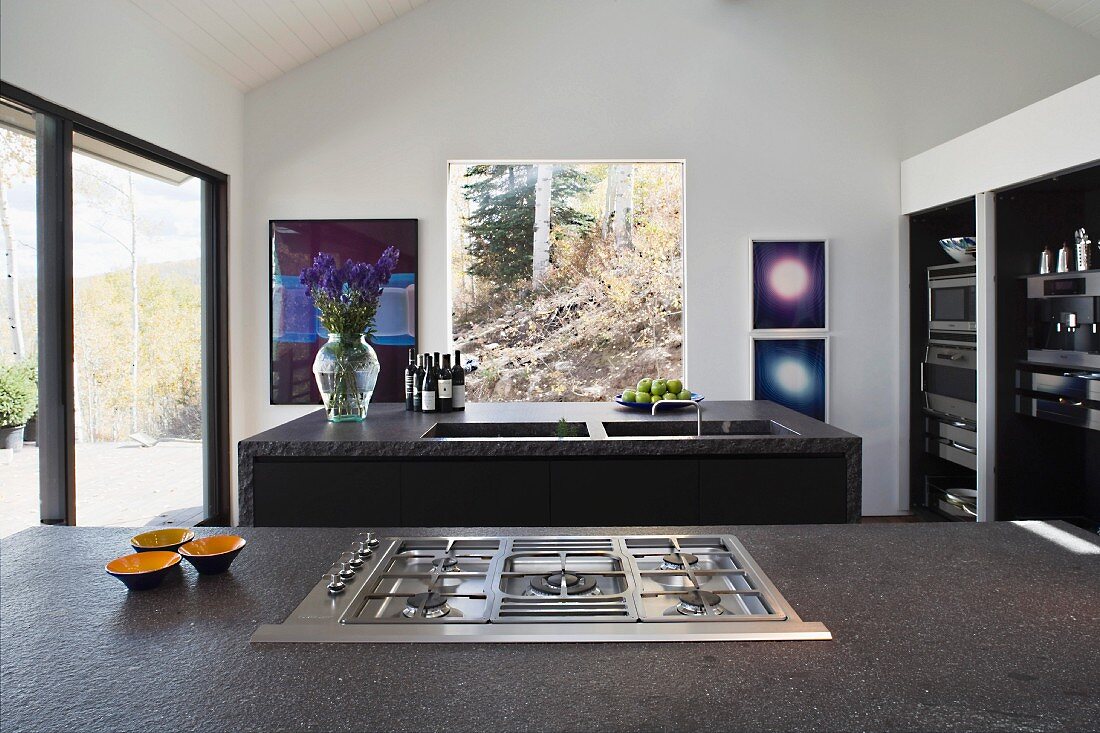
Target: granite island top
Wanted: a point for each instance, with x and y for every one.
(936, 627)
(391, 432)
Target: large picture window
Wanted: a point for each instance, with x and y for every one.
(566, 278)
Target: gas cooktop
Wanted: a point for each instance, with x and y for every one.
(536, 589)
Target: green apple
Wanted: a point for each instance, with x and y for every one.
(659, 387)
(645, 385)
(668, 396)
(684, 395)
(642, 398)
(675, 386)
(629, 396)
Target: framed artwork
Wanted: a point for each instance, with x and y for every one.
(296, 331)
(789, 285)
(793, 372)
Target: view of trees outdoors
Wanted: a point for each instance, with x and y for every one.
(137, 333)
(567, 278)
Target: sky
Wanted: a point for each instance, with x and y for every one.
(172, 217)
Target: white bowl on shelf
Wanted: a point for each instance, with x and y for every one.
(960, 249)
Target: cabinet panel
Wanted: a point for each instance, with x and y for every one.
(327, 493)
(475, 494)
(624, 491)
(786, 490)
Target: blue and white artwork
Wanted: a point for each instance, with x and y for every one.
(793, 372)
(788, 285)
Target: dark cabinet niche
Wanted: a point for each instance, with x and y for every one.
(613, 491)
(773, 491)
(327, 493)
(498, 493)
(624, 492)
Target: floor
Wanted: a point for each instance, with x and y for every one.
(118, 484)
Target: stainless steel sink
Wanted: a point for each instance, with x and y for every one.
(506, 430)
(687, 429)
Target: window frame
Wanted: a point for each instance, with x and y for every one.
(54, 129)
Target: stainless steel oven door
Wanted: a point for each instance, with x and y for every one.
(949, 381)
(953, 304)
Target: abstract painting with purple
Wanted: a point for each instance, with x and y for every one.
(789, 283)
(793, 373)
(296, 331)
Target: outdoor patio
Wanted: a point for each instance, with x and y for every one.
(118, 484)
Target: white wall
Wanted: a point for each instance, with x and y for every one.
(1054, 134)
(792, 116)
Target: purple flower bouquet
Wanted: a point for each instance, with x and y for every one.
(346, 368)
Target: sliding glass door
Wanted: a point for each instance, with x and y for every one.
(131, 307)
(18, 320)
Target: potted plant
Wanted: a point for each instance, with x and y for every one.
(346, 368)
(18, 402)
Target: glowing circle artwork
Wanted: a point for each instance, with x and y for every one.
(792, 372)
(789, 285)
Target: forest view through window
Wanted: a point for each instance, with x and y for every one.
(566, 278)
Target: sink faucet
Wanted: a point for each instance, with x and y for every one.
(678, 403)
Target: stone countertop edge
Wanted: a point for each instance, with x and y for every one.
(391, 432)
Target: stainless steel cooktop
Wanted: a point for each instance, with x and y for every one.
(538, 589)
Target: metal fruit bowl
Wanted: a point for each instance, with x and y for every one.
(648, 406)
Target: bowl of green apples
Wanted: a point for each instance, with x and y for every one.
(651, 390)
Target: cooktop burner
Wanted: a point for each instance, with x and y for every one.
(531, 589)
(677, 561)
(699, 603)
(428, 605)
(555, 583)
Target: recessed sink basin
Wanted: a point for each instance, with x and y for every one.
(687, 428)
(505, 430)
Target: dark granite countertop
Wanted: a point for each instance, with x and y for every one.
(391, 432)
(936, 627)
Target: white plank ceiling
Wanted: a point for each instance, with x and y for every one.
(254, 41)
(1083, 14)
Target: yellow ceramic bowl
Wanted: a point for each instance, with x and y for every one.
(169, 538)
(211, 555)
(143, 570)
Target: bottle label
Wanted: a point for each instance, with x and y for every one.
(445, 389)
(428, 399)
(458, 396)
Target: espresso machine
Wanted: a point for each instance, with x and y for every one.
(1060, 380)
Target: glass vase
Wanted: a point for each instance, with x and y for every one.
(346, 369)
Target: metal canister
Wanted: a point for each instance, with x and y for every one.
(1064, 258)
(1045, 261)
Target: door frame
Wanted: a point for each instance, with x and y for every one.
(54, 127)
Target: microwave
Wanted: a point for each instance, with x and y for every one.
(952, 298)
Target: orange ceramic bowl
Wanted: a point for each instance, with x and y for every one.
(212, 555)
(169, 538)
(143, 570)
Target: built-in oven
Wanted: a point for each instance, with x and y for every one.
(952, 299)
(949, 381)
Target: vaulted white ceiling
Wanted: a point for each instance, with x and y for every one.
(254, 41)
(1083, 14)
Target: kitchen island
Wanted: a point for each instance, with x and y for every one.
(552, 464)
(935, 627)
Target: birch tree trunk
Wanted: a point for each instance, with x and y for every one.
(620, 204)
(11, 279)
(135, 344)
(541, 245)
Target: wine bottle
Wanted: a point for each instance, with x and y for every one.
(458, 383)
(431, 387)
(418, 384)
(444, 398)
(410, 379)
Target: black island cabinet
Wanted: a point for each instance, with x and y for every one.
(384, 473)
